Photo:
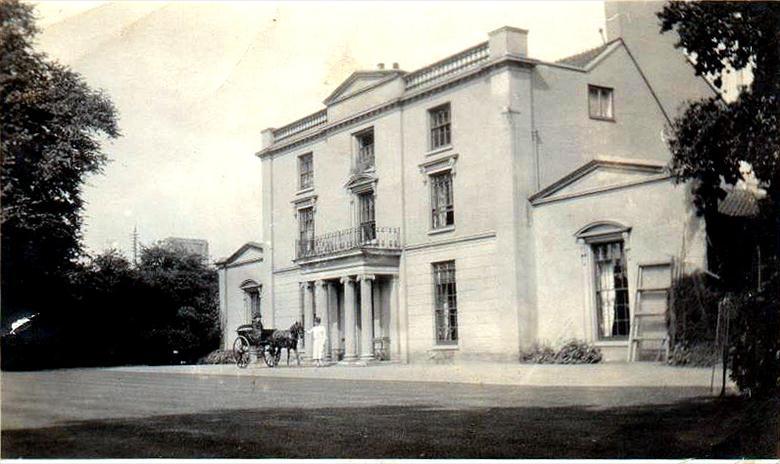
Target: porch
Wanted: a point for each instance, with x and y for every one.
(349, 279)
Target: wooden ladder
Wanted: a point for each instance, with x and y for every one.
(648, 333)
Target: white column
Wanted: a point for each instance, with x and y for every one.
(308, 316)
(321, 296)
(333, 322)
(350, 343)
(395, 336)
(366, 317)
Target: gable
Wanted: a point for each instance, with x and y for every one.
(601, 175)
(358, 82)
(250, 251)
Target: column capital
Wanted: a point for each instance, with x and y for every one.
(363, 277)
(305, 285)
(346, 279)
(319, 283)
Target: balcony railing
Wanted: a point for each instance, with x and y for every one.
(464, 60)
(365, 236)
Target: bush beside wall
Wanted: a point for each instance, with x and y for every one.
(572, 352)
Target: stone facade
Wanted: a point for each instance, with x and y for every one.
(534, 183)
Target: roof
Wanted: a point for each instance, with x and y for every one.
(739, 203)
(239, 252)
(581, 59)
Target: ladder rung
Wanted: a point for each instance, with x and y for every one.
(653, 289)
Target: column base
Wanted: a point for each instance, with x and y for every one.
(367, 357)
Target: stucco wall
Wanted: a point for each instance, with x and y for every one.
(569, 137)
(661, 219)
(234, 304)
(482, 323)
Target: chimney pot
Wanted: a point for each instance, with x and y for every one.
(380, 66)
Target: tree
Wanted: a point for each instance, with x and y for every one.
(179, 300)
(713, 137)
(51, 127)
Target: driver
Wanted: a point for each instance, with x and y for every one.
(257, 327)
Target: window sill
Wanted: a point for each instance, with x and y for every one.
(617, 343)
(304, 191)
(436, 151)
(442, 230)
(599, 118)
(453, 347)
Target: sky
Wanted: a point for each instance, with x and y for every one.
(195, 83)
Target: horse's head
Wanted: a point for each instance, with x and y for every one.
(297, 329)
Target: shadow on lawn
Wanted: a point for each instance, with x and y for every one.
(701, 428)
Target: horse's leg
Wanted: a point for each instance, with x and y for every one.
(288, 355)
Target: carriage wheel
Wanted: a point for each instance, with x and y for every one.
(271, 356)
(241, 351)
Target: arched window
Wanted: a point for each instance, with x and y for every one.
(252, 297)
(606, 241)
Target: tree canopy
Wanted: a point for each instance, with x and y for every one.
(711, 139)
(51, 129)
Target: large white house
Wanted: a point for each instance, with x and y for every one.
(480, 204)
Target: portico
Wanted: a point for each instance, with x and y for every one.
(354, 291)
(359, 313)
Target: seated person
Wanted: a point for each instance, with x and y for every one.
(257, 327)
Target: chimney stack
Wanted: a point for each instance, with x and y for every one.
(380, 66)
(395, 65)
(508, 41)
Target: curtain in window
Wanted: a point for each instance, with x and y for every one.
(606, 283)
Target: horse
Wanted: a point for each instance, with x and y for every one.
(288, 339)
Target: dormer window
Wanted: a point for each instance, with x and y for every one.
(600, 103)
(365, 150)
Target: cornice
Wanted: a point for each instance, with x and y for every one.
(409, 97)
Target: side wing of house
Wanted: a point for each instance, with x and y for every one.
(592, 230)
(241, 290)
(571, 127)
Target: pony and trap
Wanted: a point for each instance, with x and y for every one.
(266, 343)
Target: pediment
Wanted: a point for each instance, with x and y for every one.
(250, 251)
(601, 175)
(360, 81)
(361, 181)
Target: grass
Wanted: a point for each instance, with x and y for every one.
(700, 428)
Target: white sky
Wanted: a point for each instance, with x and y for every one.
(195, 83)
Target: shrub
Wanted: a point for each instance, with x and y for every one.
(754, 353)
(219, 357)
(572, 352)
(703, 354)
(695, 307)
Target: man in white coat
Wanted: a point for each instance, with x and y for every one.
(319, 339)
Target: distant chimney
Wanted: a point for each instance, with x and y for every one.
(380, 66)
(395, 65)
(508, 41)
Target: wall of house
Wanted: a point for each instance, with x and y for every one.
(234, 303)
(663, 225)
(482, 326)
(568, 137)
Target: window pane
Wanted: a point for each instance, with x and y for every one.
(611, 290)
(441, 200)
(445, 302)
(593, 101)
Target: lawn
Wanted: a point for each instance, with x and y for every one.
(698, 427)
